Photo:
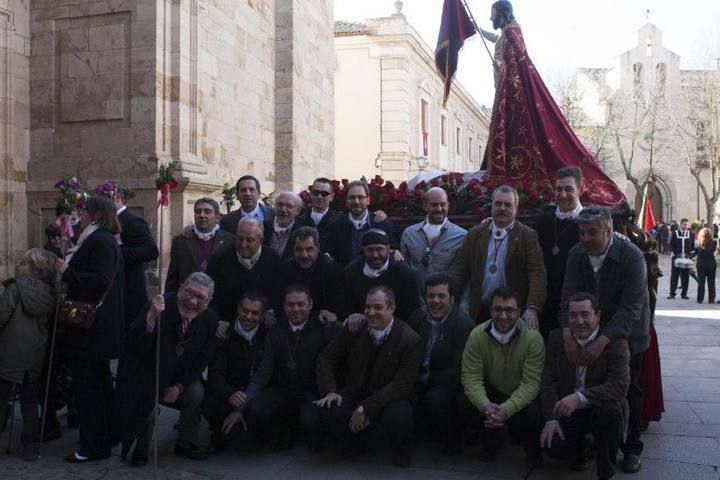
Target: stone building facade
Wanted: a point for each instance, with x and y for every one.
(389, 117)
(109, 89)
(652, 110)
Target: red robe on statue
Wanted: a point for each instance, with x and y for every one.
(529, 137)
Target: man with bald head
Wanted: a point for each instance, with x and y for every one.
(242, 267)
(278, 231)
(431, 245)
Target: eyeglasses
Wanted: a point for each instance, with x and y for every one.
(320, 193)
(195, 295)
(507, 310)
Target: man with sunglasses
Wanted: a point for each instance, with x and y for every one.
(609, 266)
(320, 215)
(501, 369)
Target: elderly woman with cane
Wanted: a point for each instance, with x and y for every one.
(26, 307)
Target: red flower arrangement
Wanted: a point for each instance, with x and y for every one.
(165, 182)
(471, 196)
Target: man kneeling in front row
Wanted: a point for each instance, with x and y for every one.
(585, 398)
(501, 368)
(380, 366)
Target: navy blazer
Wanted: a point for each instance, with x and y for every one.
(340, 245)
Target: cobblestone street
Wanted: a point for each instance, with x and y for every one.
(686, 445)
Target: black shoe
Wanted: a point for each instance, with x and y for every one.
(52, 433)
(217, 444)
(534, 460)
(315, 443)
(487, 455)
(684, 297)
(401, 457)
(138, 459)
(631, 463)
(579, 463)
(284, 440)
(671, 297)
(77, 458)
(193, 452)
(453, 446)
(31, 452)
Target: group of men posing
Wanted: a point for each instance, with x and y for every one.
(318, 322)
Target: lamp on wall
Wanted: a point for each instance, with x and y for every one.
(422, 162)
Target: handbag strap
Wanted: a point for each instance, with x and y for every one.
(112, 280)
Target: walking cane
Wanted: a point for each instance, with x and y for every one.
(12, 418)
(58, 302)
(157, 346)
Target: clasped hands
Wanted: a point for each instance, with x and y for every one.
(495, 415)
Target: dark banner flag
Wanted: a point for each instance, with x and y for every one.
(455, 27)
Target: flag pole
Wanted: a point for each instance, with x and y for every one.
(642, 208)
(478, 30)
(158, 324)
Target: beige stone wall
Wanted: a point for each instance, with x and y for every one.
(385, 75)
(14, 129)
(304, 108)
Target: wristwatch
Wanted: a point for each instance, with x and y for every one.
(360, 409)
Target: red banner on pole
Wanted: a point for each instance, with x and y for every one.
(455, 28)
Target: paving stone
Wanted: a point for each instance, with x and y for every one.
(680, 412)
(697, 450)
(685, 429)
(708, 412)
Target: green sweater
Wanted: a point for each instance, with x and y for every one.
(514, 369)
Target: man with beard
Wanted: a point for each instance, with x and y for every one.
(444, 329)
(190, 253)
(366, 379)
(237, 357)
(431, 245)
(610, 267)
(278, 231)
(186, 344)
(501, 253)
(247, 191)
(319, 272)
(347, 233)
(377, 267)
(558, 233)
(285, 383)
(242, 267)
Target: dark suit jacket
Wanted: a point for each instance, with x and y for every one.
(234, 364)
(340, 245)
(183, 260)
(447, 351)
(524, 267)
(606, 379)
(622, 291)
(394, 367)
(230, 220)
(324, 228)
(325, 278)
(232, 280)
(288, 251)
(88, 276)
(138, 247)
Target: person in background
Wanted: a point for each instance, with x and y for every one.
(26, 307)
(706, 265)
(247, 191)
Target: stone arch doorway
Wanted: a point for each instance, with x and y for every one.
(657, 201)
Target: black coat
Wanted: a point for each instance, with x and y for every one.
(376, 376)
(706, 258)
(88, 276)
(229, 221)
(289, 358)
(447, 351)
(138, 247)
(234, 364)
(401, 278)
(232, 279)
(324, 228)
(676, 243)
(325, 278)
(135, 395)
(183, 257)
(568, 235)
(341, 246)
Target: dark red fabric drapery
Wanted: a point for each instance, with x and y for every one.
(651, 381)
(455, 28)
(529, 137)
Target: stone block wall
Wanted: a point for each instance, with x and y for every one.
(14, 130)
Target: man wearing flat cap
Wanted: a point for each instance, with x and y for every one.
(377, 267)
